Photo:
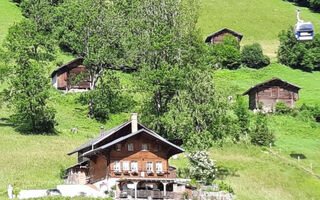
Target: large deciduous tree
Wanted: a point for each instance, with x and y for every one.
(26, 50)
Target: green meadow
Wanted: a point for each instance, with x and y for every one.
(35, 161)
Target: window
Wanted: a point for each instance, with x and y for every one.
(159, 167)
(149, 167)
(144, 147)
(130, 147)
(134, 166)
(117, 166)
(118, 147)
(125, 166)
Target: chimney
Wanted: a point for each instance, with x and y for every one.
(134, 122)
(101, 129)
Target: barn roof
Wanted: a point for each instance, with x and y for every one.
(78, 61)
(208, 39)
(112, 131)
(271, 82)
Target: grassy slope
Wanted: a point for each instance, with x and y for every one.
(32, 161)
(259, 20)
(9, 14)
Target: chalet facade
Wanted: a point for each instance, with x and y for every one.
(131, 157)
(268, 93)
(72, 76)
(218, 36)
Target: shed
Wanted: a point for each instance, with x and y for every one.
(71, 76)
(218, 36)
(270, 92)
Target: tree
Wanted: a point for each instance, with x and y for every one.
(241, 110)
(103, 32)
(171, 44)
(227, 53)
(252, 56)
(197, 115)
(106, 99)
(304, 56)
(27, 49)
(261, 134)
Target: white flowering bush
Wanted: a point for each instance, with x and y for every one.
(201, 167)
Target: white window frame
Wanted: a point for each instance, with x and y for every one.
(159, 166)
(125, 165)
(134, 166)
(149, 166)
(117, 166)
(144, 147)
(130, 147)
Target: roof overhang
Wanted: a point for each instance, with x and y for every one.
(208, 39)
(99, 149)
(79, 59)
(268, 82)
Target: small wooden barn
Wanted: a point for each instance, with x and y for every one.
(218, 36)
(71, 76)
(270, 92)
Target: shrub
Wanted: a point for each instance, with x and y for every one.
(261, 134)
(226, 54)
(282, 108)
(252, 56)
(202, 168)
(311, 111)
(225, 187)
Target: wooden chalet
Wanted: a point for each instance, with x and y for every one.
(66, 77)
(218, 36)
(270, 92)
(131, 157)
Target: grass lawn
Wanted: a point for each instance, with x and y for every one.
(10, 13)
(257, 175)
(259, 20)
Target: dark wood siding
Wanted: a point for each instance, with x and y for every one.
(269, 96)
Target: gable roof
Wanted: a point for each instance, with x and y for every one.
(100, 137)
(270, 82)
(153, 134)
(110, 132)
(78, 60)
(239, 35)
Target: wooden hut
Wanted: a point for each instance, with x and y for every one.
(71, 76)
(268, 93)
(218, 36)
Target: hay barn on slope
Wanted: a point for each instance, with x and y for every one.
(218, 36)
(270, 92)
(66, 77)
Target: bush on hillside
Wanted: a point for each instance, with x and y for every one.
(299, 55)
(313, 111)
(202, 168)
(261, 135)
(226, 54)
(252, 56)
(282, 108)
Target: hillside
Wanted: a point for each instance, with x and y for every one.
(35, 161)
(259, 21)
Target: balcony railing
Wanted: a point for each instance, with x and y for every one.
(144, 173)
(142, 193)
